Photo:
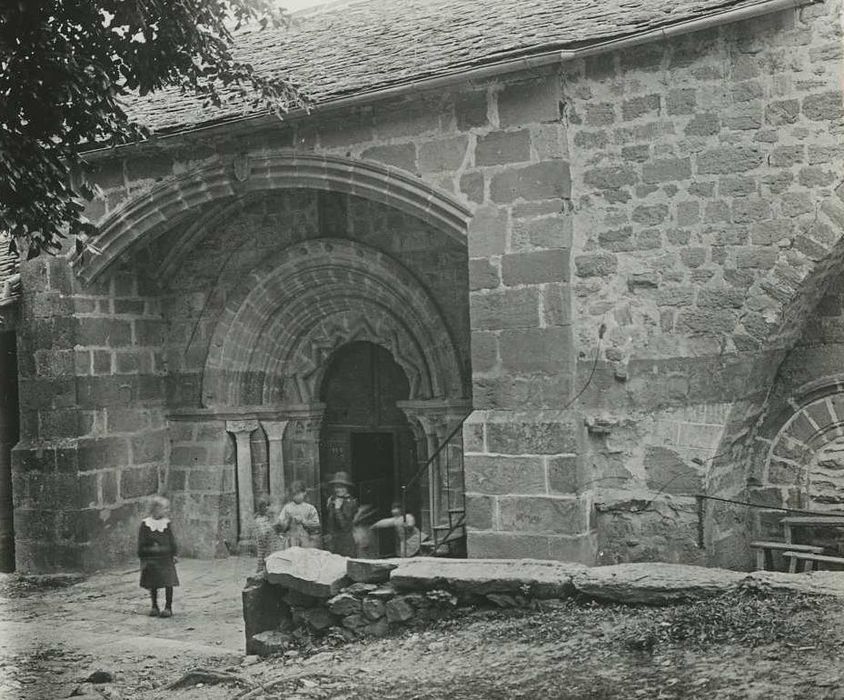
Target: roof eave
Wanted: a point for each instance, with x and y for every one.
(501, 67)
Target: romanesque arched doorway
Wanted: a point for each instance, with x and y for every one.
(364, 431)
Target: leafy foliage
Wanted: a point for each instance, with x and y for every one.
(66, 67)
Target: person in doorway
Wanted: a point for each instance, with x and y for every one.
(362, 532)
(157, 551)
(299, 520)
(267, 539)
(340, 516)
(408, 538)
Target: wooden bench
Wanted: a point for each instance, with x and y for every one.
(795, 522)
(765, 552)
(810, 561)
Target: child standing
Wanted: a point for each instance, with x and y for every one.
(340, 515)
(157, 552)
(266, 539)
(299, 520)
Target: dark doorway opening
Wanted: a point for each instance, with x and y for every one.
(374, 469)
(364, 432)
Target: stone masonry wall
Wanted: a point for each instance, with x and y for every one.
(93, 440)
(796, 464)
(681, 194)
(704, 172)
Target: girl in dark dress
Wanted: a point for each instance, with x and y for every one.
(157, 552)
(340, 515)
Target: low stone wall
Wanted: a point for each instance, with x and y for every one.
(308, 592)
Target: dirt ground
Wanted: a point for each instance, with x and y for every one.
(746, 646)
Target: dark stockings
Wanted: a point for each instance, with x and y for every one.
(168, 597)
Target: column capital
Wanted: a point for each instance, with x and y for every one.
(241, 426)
(274, 429)
(436, 414)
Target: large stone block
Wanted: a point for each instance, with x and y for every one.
(488, 232)
(263, 610)
(104, 332)
(667, 472)
(483, 274)
(550, 179)
(667, 170)
(102, 453)
(479, 512)
(495, 474)
(370, 570)
(470, 109)
(729, 159)
(655, 583)
(536, 267)
(401, 155)
(442, 154)
(544, 515)
(546, 350)
(313, 572)
(546, 232)
(545, 579)
(138, 481)
(521, 434)
(509, 308)
(826, 106)
(149, 447)
(529, 102)
(502, 147)
(484, 351)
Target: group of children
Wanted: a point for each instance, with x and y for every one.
(348, 526)
(348, 533)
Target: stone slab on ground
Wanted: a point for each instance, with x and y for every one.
(371, 570)
(313, 572)
(547, 579)
(655, 583)
(829, 583)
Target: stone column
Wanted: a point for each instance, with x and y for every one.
(438, 419)
(275, 435)
(305, 423)
(242, 430)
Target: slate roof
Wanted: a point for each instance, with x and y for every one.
(350, 48)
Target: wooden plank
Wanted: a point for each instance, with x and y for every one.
(786, 546)
(811, 520)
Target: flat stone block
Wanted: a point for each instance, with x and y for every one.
(544, 514)
(547, 579)
(314, 572)
(655, 583)
(370, 570)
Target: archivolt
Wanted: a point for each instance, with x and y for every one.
(278, 329)
(136, 221)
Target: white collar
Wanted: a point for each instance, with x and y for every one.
(157, 524)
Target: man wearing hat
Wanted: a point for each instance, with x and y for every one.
(340, 516)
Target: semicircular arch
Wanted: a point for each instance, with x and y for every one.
(280, 326)
(132, 223)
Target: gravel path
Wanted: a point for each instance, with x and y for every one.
(743, 645)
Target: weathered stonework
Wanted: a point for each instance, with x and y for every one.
(609, 258)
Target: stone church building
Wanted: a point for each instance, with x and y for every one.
(554, 269)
